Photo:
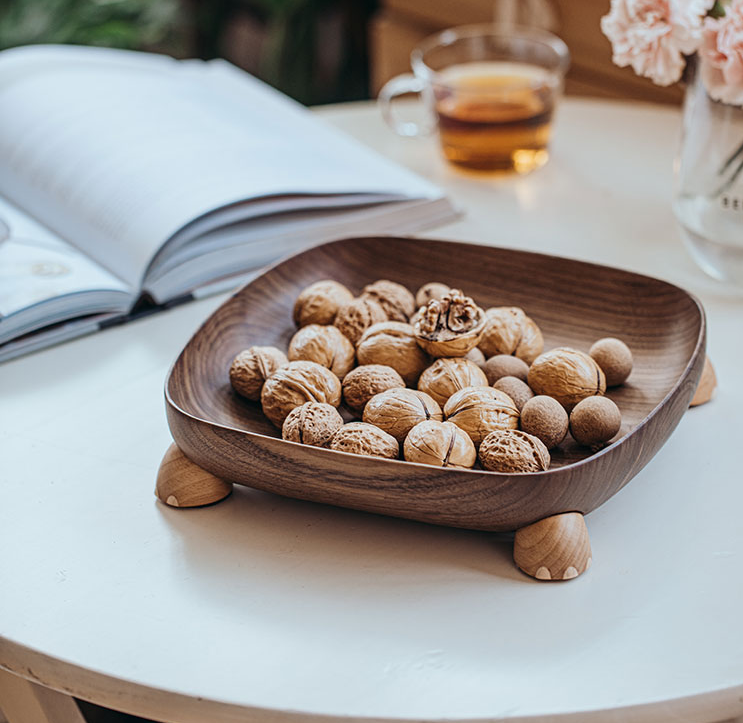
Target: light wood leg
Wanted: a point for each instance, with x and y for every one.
(707, 385)
(24, 702)
(555, 548)
(182, 483)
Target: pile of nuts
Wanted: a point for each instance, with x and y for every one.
(433, 377)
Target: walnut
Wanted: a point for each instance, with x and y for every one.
(319, 303)
(545, 418)
(393, 343)
(325, 345)
(398, 303)
(442, 444)
(431, 290)
(594, 421)
(356, 316)
(363, 382)
(516, 389)
(312, 423)
(513, 451)
(448, 375)
(480, 411)
(510, 331)
(252, 367)
(362, 438)
(567, 375)
(614, 358)
(296, 383)
(420, 311)
(451, 326)
(397, 411)
(505, 365)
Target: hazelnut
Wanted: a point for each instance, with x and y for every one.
(398, 303)
(252, 367)
(366, 439)
(296, 383)
(393, 343)
(509, 330)
(505, 365)
(516, 389)
(356, 316)
(448, 375)
(363, 382)
(312, 423)
(567, 375)
(325, 345)
(319, 302)
(594, 421)
(442, 444)
(397, 411)
(481, 410)
(476, 356)
(614, 358)
(513, 451)
(450, 326)
(431, 290)
(545, 418)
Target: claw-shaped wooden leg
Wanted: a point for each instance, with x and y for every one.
(182, 483)
(555, 548)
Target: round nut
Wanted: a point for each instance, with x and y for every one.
(451, 326)
(480, 411)
(614, 358)
(476, 356)
(312, 423)
(448, 375)
(296, 383)
(397, 411)
(442, 444)
(567, 375)
(545, 418)
(417, 315)
(363, 382)
(356, 316)
(594, 421)
(398, 303)
(366, 439)
(509, 330)
(505, 365)
(250, 369)
(513, 451)
(516, 389)
(431, 290)
(393, 343)
(324, 345)
(319, 303)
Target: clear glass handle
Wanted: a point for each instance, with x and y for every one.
(402, 85)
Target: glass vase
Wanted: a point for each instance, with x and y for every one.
(708, 198)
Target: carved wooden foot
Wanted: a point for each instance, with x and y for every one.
(555, 548)
(182, 483)
(707, 385)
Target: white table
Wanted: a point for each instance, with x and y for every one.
(262, 608)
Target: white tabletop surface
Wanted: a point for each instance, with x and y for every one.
(262, 605)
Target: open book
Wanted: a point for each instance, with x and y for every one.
(130, 181)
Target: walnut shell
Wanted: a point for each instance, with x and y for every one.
(448, 375)
(366, 439)
(431, 290)
(312, 423)
(510, 331)
(363, 382)
(296, 383)
(319, 303)
(356, 316)
(442, 444)
(398, 303)
(325, 345)
(567, 375)
(250, 369)
(545, 418)
(480, 411)
(397, 411)
(513, 451)
(393, 343)
(451, 326)
(594, 421)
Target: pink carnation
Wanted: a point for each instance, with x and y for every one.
(654, 35)
(722, 55)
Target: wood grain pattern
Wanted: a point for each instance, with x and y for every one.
(574, 303)
(181, 483)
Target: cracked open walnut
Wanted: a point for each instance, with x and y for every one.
(450, 326)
